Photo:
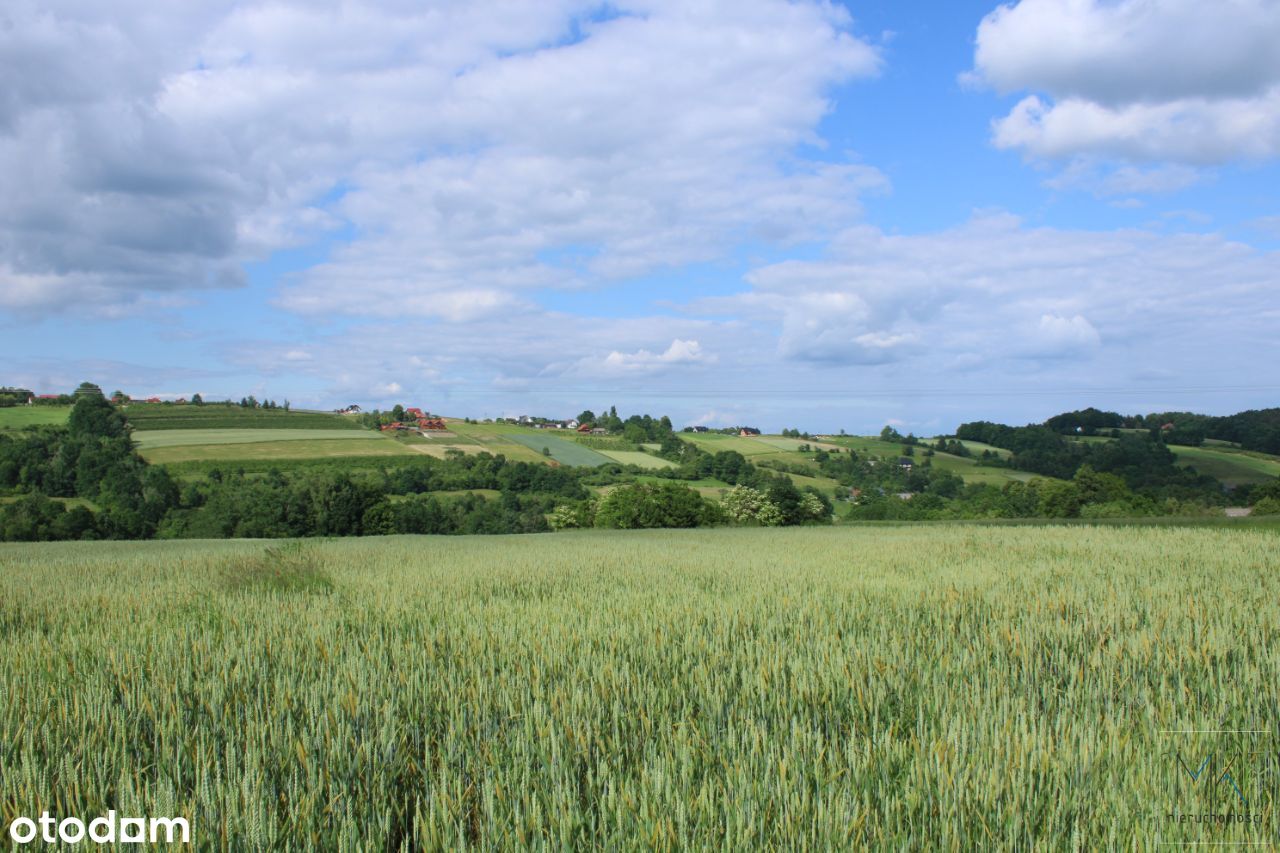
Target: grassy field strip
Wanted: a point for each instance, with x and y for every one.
(441, 451)
(977, 447)
(483, 432)
(708, 488)
(24, 417)
(829, 487)
(444, 438)
(183, 437)
(898, 688)
(779, 443)
(972, 472)
(450, 493)
(969, 469)
(1236, 450)
(269, 450)
(871, 446)
(67, 502)
(562, 450)
(498, 439)
(715, 443)
(643, 460)
(1230, 466)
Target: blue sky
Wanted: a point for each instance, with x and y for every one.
(782, 214)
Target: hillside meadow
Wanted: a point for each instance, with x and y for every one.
(943, 687)
(25, 417)
(276, 451)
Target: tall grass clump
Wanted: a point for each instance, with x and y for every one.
(898, 688)
(285, 567)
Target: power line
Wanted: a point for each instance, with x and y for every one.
(855, 392)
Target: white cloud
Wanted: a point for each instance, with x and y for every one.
(1142, 81)
(989, 307)
(645, 362)
(1125, 180)
(993, 295)
(1132, 51)
(716, 418)
(1063, 336)
(463, 147)
(1199, 132)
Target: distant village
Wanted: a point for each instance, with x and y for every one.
(397, 419)
(416, 419)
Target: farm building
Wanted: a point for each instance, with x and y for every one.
(905, 462)
(746, 431)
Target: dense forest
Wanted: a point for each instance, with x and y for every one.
(1256, 429)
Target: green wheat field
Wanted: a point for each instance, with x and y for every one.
(942, 687)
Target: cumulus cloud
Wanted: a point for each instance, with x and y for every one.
(1136, 80)
(643, 361)
(1201, 133)
(496, 355)
(457, 148)
(992, 318)
(1064, 336)
(994, 291)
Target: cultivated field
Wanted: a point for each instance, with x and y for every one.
(563, 450)
(716, 443)
(907, 688)
(641, 460)
(327, 448)
(160, 416)
(497, 439)
(23, 417)
(188, 437)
